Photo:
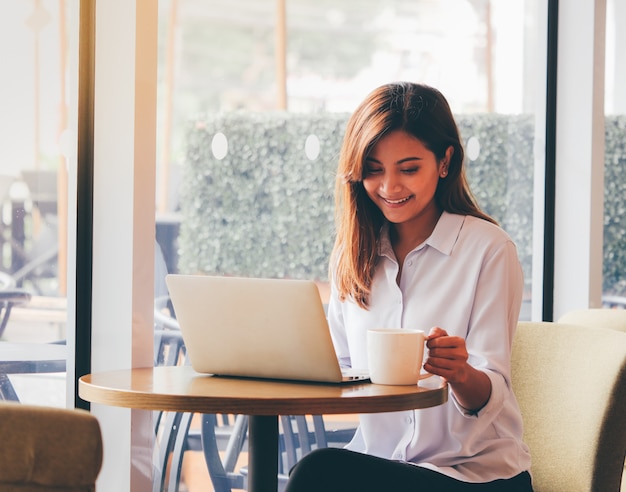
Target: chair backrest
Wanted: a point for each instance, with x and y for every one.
(45, 448)
(299, 436)
(615, 319)
(222, 446)
(570, 382)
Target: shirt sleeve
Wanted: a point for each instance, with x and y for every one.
(495, 314)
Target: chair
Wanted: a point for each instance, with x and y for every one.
(48, 449)
(173, 429)
(10, 296)
(221, 438)
(170, 428)
(613, 302)
(615, 319)
(222, 468)
(570, 382)
(299, 435)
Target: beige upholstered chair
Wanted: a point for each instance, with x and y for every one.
(48, 449)
(570, 382)
(615, 319)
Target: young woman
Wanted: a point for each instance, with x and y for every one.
(414, 250)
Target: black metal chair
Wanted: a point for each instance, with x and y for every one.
(221, 438)
(299, 435)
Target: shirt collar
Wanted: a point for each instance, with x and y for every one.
(446, 232)
(443, 237)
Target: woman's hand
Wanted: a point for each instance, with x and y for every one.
(448, 358)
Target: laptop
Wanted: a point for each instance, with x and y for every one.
(256, 327)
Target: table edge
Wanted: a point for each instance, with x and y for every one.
(267, 406)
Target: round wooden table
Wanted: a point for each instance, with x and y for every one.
(181, 389)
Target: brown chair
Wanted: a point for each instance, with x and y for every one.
(48, 449)
(570, 382)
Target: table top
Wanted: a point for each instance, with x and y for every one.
(30, 358)
(180, 388)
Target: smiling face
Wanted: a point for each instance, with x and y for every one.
(401, 177)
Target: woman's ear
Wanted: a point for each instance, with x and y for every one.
(445, 162)
(449, 154)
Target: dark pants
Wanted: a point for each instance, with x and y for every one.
(334, 469)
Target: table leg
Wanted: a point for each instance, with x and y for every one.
(263, 453)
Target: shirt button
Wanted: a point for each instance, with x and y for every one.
(409, 420)
(397, 456)
(410, 263)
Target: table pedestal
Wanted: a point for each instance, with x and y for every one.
(263, 456)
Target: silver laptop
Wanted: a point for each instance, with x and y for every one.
(254, 327)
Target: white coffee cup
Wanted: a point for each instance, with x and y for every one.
(395, 355)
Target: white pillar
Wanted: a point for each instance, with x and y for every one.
(579, 155)
(124, 229)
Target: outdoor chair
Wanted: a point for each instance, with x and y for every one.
(570, 382)
(299, 435)
(221, 438)
(173, 430)
(10, 296)
(48, 449)
(35, 258)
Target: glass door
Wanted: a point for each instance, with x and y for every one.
(38, 49)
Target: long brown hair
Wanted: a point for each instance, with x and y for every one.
(421, 111)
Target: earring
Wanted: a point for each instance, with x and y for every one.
(444, 173)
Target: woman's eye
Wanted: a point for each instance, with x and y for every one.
(410, 170)
(372, 170)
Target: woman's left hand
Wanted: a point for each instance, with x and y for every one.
(447, 356)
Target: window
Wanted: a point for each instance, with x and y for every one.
(254, 98)
(38, 49)
(614, 269)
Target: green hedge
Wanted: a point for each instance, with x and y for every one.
(614, 265)
(266, 209)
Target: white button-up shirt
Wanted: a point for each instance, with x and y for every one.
(465, 278)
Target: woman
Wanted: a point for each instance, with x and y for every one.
(414, 250)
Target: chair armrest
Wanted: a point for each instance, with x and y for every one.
(14, 296)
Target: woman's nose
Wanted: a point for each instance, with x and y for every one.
(390, 182)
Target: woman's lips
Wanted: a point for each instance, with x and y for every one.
(398, 201)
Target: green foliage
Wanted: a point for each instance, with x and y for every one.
(267, 210)
(501, 177)
(614, 264)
